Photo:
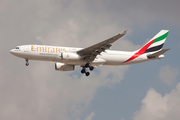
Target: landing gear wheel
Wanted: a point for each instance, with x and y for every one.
(87, 65)
(83, 71)
(91, 68)
(87, 73)
(27, 64)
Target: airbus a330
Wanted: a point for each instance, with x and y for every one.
(66, 58)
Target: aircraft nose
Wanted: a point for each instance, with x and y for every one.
(12, 51)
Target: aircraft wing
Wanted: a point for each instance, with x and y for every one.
(91, 52)
(157, 54)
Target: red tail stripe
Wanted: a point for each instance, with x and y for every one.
(140, 52)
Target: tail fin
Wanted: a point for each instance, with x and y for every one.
(157, 42)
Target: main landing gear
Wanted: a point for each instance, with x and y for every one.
(87, 65)
(27, 63)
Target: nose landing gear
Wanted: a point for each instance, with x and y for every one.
(27, 63)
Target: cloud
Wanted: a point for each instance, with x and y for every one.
(157, 107)
(39, 92)
(75, 93)
(90, 116)
(168, 75)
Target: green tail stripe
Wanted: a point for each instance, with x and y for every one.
(161, 37)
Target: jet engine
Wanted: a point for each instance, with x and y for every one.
(70, 56)
(64, 67)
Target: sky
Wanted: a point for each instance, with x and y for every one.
(149, 90)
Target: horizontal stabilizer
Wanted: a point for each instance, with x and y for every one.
(157, 54)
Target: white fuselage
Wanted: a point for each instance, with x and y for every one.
(68, 55)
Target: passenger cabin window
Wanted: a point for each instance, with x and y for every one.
(17, 47)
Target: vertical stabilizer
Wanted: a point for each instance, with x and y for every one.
(157, 41)
(155, 44)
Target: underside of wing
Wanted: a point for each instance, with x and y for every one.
(91, 52)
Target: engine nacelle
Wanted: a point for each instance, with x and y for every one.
(64, 67)
(70, 56)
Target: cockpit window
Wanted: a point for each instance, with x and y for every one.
(17, 47)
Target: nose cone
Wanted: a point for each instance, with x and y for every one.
(16, 52)
(13, 51)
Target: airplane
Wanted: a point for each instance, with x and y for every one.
(66, 58)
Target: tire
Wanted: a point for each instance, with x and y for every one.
(91, 68)
(86, 65)
(27, 64)
(87, 74)
(83, 71)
